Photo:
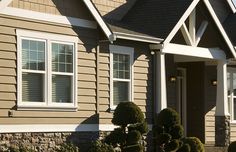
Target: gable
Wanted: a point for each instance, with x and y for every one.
(200, 27)
(70, 8)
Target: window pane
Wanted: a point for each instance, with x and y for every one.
(121, 66)
(33, 53)
(120, 92)
(32, 87)
(62, 57)
(61, 89)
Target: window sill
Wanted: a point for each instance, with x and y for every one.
(45, 108)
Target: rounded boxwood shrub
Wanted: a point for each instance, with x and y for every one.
(232, 147)
(184, 148)
(116, 137)
(133, 148)
(172, 146)
(133, 137)
(194, 143)
(177, 131)
(168, 118)
(141, 127)
(127, 113)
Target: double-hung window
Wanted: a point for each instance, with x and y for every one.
(46, 65)
(121, 74)
(231, 83)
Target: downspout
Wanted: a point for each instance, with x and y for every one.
(98, 77)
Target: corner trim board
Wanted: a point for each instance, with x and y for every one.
(48, 17)
(57, 128)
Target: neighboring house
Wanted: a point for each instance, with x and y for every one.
(65, 65)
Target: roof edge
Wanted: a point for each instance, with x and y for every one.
(107, 31)
(135, 37)
(231, 5)
(181, 21)
(220, 27)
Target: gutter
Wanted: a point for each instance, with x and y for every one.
(135, 37)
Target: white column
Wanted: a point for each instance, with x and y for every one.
(161, 101)
(221, 98)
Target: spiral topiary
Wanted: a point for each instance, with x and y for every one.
(132, 126)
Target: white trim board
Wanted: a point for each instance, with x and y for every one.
(48, 17)
(208, 53)
(213, 15)
(58, 128)
(99, 20)
(4, 3)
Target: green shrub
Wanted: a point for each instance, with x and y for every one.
(168, 118)
(177, 131)
(127, 113)
(99, 146)
(141, 127)
(116, 137)
(163, 138)
(133, 137)
(194, 143)
(133, 148)
(68, 147)
(172, 146)
(184, 148)
(232, 147)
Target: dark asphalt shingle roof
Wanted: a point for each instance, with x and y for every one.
(155, 18)
(230, 27)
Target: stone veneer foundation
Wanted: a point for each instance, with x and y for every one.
(46, 142)
(222, 131)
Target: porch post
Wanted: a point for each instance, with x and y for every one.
(222, 122)
(161, 101)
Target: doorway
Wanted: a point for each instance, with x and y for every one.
(181, 97)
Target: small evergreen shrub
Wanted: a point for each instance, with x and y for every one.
(141, 127)
(133, 137)
(116, 137)
(133, 148)
(127, 113)
(99, 146)
(184, 148)
(168, 131)
(194, 143)
(232, 147)
(132, 126)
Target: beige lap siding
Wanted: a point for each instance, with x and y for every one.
(142, 81)
(210, 127)
(72, 8)
(86, 64)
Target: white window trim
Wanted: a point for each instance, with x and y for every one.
(48, 38)
(232, 5)
(127, 51)
(231, 96)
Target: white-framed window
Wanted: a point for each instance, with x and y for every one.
(46, 71)
(231, 84)
(121, 74)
